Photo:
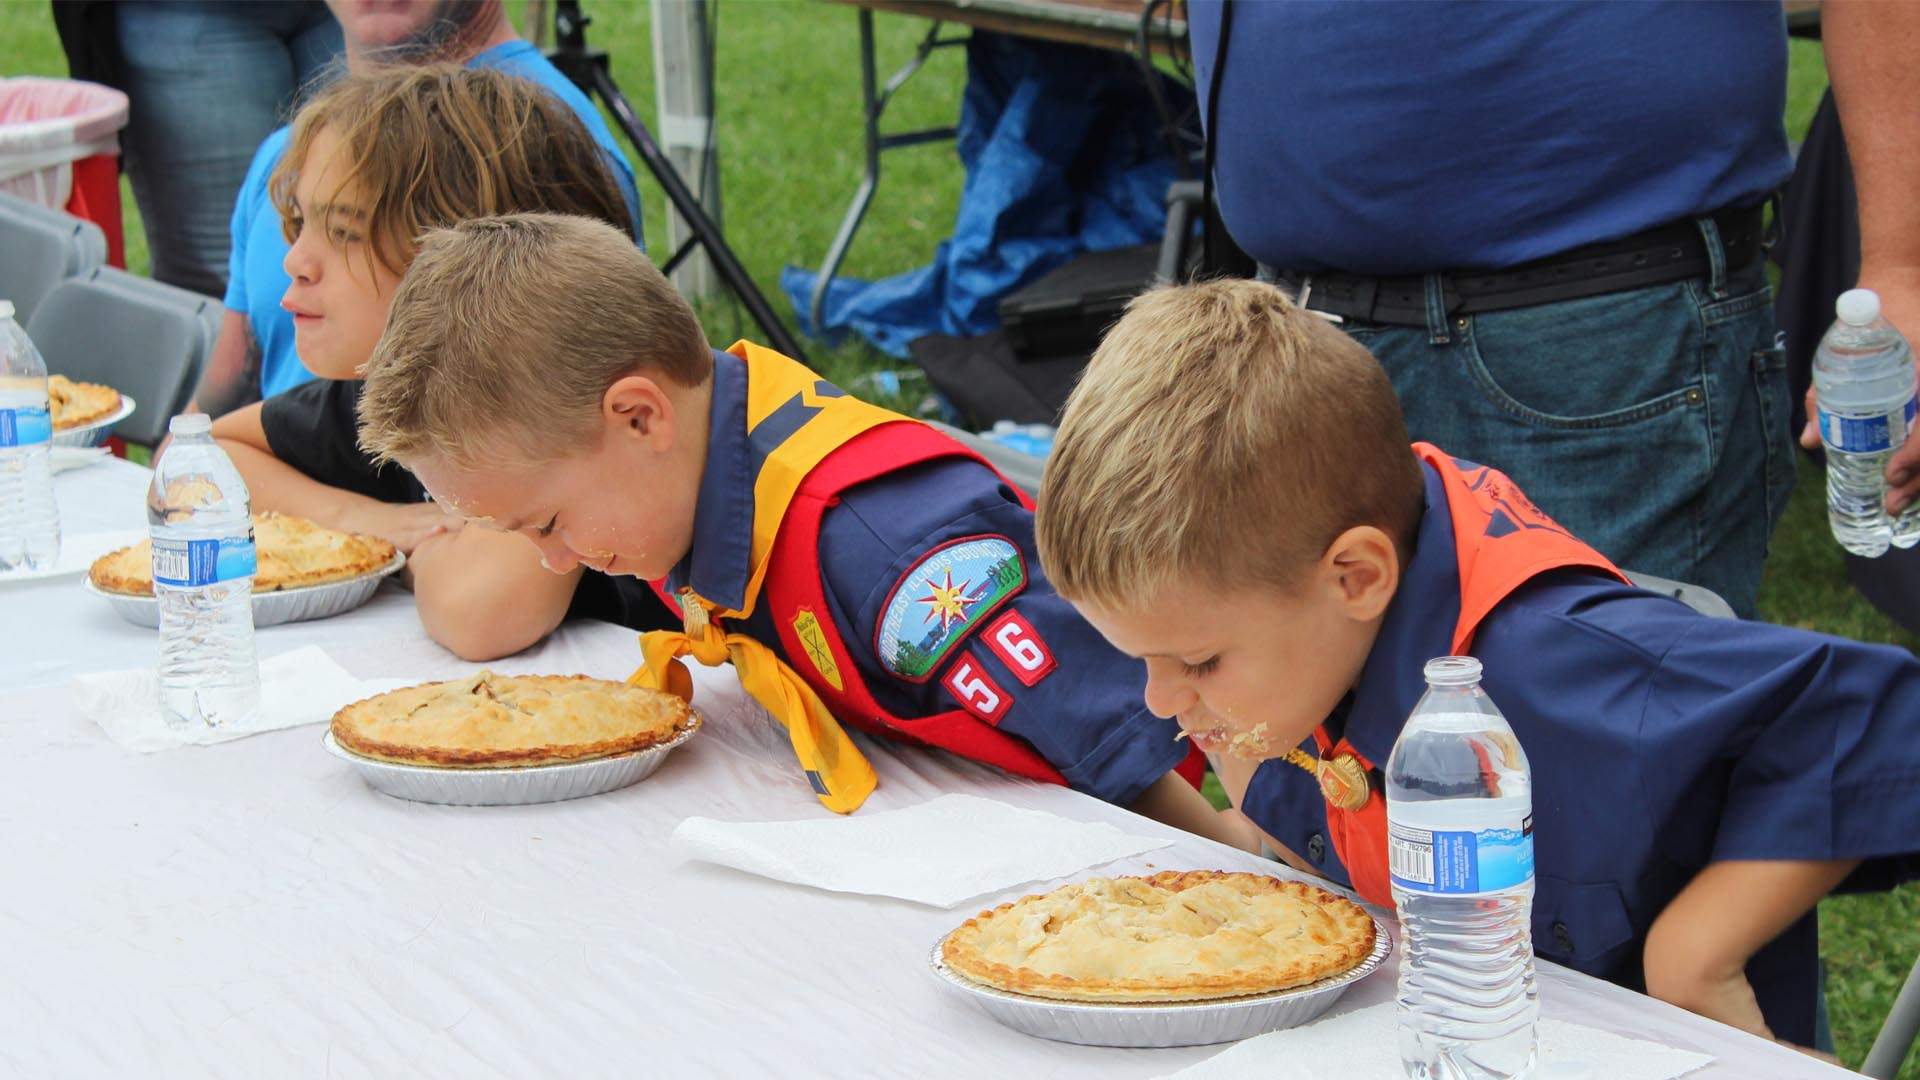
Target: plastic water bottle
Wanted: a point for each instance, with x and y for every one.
(1460, 851)
(1863, 372)
(203, 564)
(1034, 439)
(29, 520)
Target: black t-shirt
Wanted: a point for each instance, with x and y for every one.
(312, 428)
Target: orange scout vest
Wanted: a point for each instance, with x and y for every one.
(1502, 541)
(841, 442)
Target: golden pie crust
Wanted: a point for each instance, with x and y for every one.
(1176, 936)
(291, 552)
(489, 721)
(77, 403)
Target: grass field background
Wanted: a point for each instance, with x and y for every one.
(788, 133)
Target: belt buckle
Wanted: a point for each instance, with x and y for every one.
(1305, 300)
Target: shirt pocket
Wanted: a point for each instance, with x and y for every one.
(1583, 926)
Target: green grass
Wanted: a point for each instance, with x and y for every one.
(787, 80)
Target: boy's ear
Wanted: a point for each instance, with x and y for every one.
(637, 407)
(1362, 567)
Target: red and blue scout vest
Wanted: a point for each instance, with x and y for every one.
(1501, 541)
(845, 442)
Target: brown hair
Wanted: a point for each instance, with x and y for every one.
(506, 333)
(435, 144)
(1220, 436)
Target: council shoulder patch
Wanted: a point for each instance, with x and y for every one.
(941, 598)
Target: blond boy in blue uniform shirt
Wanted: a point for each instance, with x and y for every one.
(1232, 498)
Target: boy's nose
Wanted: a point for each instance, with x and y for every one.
(554, 554)
(1168, 695)
(299, 263)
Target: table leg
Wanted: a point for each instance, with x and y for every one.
(873, 102)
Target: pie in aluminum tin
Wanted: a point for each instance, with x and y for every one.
(489, 721)
(75, 404)
(1175, 936)
(292, 553)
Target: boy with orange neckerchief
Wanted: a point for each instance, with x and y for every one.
(537, 373)
(1232, 498)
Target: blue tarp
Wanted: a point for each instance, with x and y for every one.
(1063, 153)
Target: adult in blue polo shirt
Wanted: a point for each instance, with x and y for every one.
(254, 357)
(1545, 219)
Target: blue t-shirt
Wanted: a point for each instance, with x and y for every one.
(256, 276)
(1408, 138)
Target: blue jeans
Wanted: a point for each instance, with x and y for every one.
(1652, 423)
(207, 81)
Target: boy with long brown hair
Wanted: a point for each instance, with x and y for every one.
(374, 161)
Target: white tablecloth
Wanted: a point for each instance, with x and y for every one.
(252, 910)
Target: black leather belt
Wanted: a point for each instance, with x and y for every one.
(1673, 252)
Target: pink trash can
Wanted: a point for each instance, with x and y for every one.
(60, 147)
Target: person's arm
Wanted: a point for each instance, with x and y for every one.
(1236, 774)
(1873, 61)
(275, 485)
(232, 375)
(1170, 800)
(1697, 951)
(483, 594)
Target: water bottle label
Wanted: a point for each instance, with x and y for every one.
(25, 427)
(187, 564)
(1458, 862)
(1867, 434)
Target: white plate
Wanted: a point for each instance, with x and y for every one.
(96, 433)
(1161, 1023)
(272, 608)
(511, 787)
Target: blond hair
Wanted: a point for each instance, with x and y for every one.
(431, 145)
(1220, 437)
(505, 334)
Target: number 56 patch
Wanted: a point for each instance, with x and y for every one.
(967, 680)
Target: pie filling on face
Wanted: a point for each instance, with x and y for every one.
(290, 551)
(77, 403)
(495, 721)
(1175, 936)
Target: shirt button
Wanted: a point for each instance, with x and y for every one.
(1562, 939)
(1316, 847)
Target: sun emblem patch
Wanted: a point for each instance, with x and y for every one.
(941, 598)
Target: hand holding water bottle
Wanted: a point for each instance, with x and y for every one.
(1864, 374)
(1899, 292)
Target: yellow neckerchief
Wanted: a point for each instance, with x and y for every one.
(824, 419)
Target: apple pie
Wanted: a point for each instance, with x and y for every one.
(78, 403)
(291, 552)
(489, 721)
(1175, 936)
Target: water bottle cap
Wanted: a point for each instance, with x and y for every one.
(1453, 671)
(6, 309)
(198, 423)
(1857, 307)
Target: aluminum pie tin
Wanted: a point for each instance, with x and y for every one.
(510, 787)
(1160, 1023)
(272, 608)
(96, 433)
